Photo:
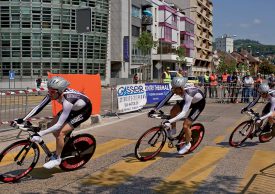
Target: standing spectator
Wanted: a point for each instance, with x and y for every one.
(166, 76)
(224, 83)
(135, 78)
(247, 87)
(180, 73)
(234, 88)
(38, 84)
(206, 84)
(271, 81)
(258, 81)
(213, 85)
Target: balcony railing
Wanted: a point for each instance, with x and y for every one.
(147, 20)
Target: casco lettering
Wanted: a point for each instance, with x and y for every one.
(130, 90)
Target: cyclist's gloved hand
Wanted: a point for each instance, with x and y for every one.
(244, 110)
(151, 112)
(16, 121)
(258, 120)
(36, 138)
(167, 124)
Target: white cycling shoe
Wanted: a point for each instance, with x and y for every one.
(52, 163)
(171, 132)
(185, 148)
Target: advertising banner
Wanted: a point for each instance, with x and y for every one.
(131, 97)
(155, 92)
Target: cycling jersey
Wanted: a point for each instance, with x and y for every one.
(193, 98)
(269, 108)
(76, 108)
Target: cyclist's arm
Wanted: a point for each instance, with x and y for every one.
(162, 102)
(187, 104)
(38, 108)
(271, 109)
(67, 107)
(251, 104)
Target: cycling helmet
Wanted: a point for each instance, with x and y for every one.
(58, 83)
(263, 88)
(179, 82)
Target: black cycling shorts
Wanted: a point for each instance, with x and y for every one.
(77, 117)
(266, 109)
(196, 109)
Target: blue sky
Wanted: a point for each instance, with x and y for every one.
(248, 19)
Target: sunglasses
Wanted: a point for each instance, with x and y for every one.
(52, 91)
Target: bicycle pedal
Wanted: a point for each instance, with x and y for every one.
(170, 145)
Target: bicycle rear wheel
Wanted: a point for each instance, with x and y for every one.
(150, 143)
(79, 150)
(17, 160)
(241, 133)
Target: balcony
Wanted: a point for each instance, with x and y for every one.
(147, 20)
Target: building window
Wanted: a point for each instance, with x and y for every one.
(135, 31)
(136, 12)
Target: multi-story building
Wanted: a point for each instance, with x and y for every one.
(40, 36)
(128, 20)
(225, 43)
(200, 11)
(174, 30)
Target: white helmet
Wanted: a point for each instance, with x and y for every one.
(263, 88)
(58, 83)
(179, 82)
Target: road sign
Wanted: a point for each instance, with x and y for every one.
(84, 20)
(11, 74)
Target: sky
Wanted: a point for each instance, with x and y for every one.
(247, 19)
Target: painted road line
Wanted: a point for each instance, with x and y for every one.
(259, 176)
(121, 171)
(193, 172)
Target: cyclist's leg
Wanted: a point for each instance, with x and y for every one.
(175, 111)
(187, 129)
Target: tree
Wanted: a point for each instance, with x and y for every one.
(145, 42)
(266, 67)
(230, 66)
(181, 56)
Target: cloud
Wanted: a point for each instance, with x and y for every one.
(257, 21)
(244, 25)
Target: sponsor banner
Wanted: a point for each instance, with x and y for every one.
(155, 92)
(131, 97)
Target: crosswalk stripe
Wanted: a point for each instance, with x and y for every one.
(120, 171)
(192, 173)
(259, 176)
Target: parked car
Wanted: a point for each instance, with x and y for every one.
(193, 79)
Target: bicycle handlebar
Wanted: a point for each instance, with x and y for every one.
(252, 114)
(160, 115)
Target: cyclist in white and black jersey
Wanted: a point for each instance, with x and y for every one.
(193, 98)
(76, 108)
(269, 110)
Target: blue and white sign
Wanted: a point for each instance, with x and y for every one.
(156, 92)
(11, 74)
(131, 97)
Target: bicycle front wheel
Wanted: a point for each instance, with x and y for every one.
(150, 143)
(17, 160)
(241, 133)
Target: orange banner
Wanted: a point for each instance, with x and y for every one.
(90, 85)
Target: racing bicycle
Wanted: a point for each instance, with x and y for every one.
(20, 158)
(152, 141)
(249, 129)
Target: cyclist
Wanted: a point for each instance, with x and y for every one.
(76, 108)
(193, 98)
(268, 111)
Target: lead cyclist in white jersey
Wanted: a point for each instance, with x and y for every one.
(268, 111)
(76, 108)
(193, 98)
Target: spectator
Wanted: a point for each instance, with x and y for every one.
(234, 88)
(224, 83)
(258, 81)
(271, 81)
(38, 84)
(135, 78)
(166, 76)
(213, 85)
(206, 84)
(247, 87)
(179, 73)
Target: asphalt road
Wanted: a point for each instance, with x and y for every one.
(214, 167)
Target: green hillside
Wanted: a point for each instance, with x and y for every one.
(258, 49)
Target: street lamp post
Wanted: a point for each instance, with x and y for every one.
(160, 56)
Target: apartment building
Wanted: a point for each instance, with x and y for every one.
(225, 43)
(200, 11)
(40, 36)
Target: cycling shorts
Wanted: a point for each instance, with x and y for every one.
(196, 109)
(77, 117)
